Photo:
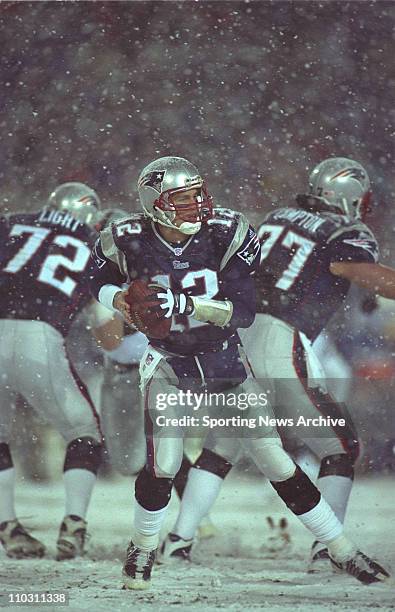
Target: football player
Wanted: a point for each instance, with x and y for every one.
(44, 259)
(121, 410)
(310, 253)
(203, 260)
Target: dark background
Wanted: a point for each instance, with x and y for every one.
(255, 93)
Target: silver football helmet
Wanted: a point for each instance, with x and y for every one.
(342, 185)
(77, 199)
(160, 181)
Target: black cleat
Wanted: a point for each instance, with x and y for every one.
(175, 547)
(137, 569)
(18, 543)
(71, 540)
(362, 568)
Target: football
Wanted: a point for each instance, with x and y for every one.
(144, 311)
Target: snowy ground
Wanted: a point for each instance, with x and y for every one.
(229, 571)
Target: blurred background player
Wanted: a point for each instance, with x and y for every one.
(302, 282)
(43, 285)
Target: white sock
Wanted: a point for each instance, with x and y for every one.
(78, 485)
(200, 493)
(336, 490)
(147, 526)
(322, 522)
(7, 497)
(341, 549)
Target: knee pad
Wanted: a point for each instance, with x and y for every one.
(166, 459)
(211, 462)
(337, 465)
(151, 492)
(271, 459)
(5, 457)
(84, 454)
(298, 492)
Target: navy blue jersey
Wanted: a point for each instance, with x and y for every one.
(44, 267)
(216, 263)
(294, 282)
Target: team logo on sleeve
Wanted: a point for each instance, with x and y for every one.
(250, 251)
(363, 242)
(154, 180)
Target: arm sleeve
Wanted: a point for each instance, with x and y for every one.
(237, 283)
(105, 278)
(354, 247)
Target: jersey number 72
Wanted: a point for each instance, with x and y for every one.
(51, 263)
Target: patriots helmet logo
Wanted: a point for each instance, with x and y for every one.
(88, 199)
(355, 173)
(154, 180)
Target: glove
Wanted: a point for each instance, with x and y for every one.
(171, 303)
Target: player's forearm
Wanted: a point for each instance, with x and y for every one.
(110, 334)
(241, 292)
(243, 313)
(217, 312)
(237, 286)
(106, 295)
(222, 313)
(375, 277)
(104, 284)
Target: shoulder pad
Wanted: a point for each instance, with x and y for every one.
(230, 229)
(351, 226)
(111, 251)
(131, 225)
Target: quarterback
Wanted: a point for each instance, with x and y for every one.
(198, 263)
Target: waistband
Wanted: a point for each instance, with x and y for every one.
(222, 346)
(122, 367)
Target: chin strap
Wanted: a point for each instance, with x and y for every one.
(186, 227)
(189, 228)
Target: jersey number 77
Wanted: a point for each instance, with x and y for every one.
(300, 247)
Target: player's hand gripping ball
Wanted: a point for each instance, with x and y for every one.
(145, 311)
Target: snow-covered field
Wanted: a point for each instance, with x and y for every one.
(229, 572)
